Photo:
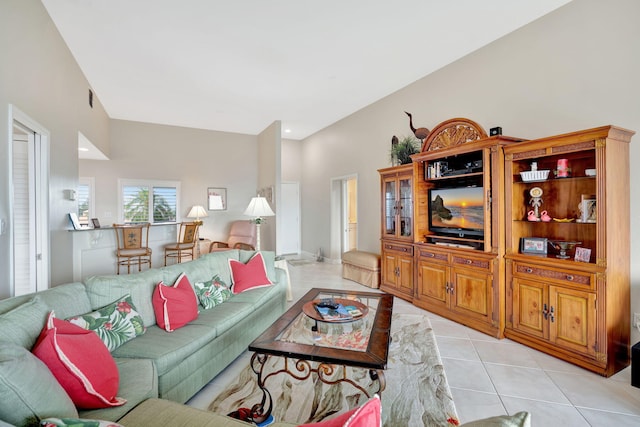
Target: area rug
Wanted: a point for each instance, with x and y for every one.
(416, 394)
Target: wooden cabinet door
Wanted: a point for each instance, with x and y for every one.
(405, 272)
(432, 283)
(471, 293)
(572, 319)
(390, 269)
(530, 305)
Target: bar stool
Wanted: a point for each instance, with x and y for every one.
(186, 244)
(132, 245)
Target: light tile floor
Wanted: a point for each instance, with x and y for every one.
(489, 376)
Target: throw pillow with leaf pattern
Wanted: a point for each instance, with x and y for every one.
(115, 323)
(213, 292)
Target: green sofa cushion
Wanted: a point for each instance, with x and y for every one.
(198, 270)
(68, 300)
(224, 316)
(28, 390)
(167, 349)
(103, 290)
(22, 325)
(138, 382)
(218, 262)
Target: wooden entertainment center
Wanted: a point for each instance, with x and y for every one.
(521, 239)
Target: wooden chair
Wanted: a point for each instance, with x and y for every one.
(132, 246)
(186, 244)
(242, 235)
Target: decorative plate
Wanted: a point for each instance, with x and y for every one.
(310, 310)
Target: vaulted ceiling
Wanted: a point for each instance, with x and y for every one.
(237, 66)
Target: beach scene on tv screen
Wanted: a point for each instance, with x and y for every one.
(458, 208)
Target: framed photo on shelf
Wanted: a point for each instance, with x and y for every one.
(533, 245)
(95, 223)
(582, 254)
(217, 199)
(588, 208)
(73, 217)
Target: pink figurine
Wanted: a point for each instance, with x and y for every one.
(531, 216)
(544, 216)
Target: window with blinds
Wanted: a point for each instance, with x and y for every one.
(83, 196)
(154, 202)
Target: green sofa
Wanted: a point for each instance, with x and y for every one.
(170, 366)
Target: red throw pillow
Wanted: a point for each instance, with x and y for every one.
(367, 415)
(176, 305)
(247, 276)
(80, 362)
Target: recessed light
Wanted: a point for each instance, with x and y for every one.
(82, 149)
(287, 131)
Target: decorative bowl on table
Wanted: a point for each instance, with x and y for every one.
(534, 176)
(562, 246)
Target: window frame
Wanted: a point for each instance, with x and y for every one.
(90, 182)
(150, 185)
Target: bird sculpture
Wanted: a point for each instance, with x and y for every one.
(420, 133)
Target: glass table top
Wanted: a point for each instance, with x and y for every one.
(362, 342)
(349, 335)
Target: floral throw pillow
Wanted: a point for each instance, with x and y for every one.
(115, 323)
(212, 293)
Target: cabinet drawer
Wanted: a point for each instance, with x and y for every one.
(397, 247)
(472, 262)
(435, 256)
(563, 277)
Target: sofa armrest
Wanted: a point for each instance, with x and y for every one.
(156, 412)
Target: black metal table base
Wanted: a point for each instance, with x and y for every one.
(301, 370)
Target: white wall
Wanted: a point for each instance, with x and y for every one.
(197, 158)
(573, 69)
(291, 160)
(40, 77)
(269, 175)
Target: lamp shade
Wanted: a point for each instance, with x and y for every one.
(196, 212)
(258, 208)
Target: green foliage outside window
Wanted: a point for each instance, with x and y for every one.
(136, 206)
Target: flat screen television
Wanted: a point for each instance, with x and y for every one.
(457, 212)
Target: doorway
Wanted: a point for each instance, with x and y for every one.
(344, 215)
(29, 201)
(290, 219)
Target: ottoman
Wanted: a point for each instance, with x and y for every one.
(362, 267)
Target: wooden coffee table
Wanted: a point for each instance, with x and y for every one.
(309, 346)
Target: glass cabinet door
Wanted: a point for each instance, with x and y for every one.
(390, 207)
(405, 211)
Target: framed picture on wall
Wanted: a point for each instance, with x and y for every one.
(217, 199)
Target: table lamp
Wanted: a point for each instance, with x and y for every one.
(258, 208)
(196, 212)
